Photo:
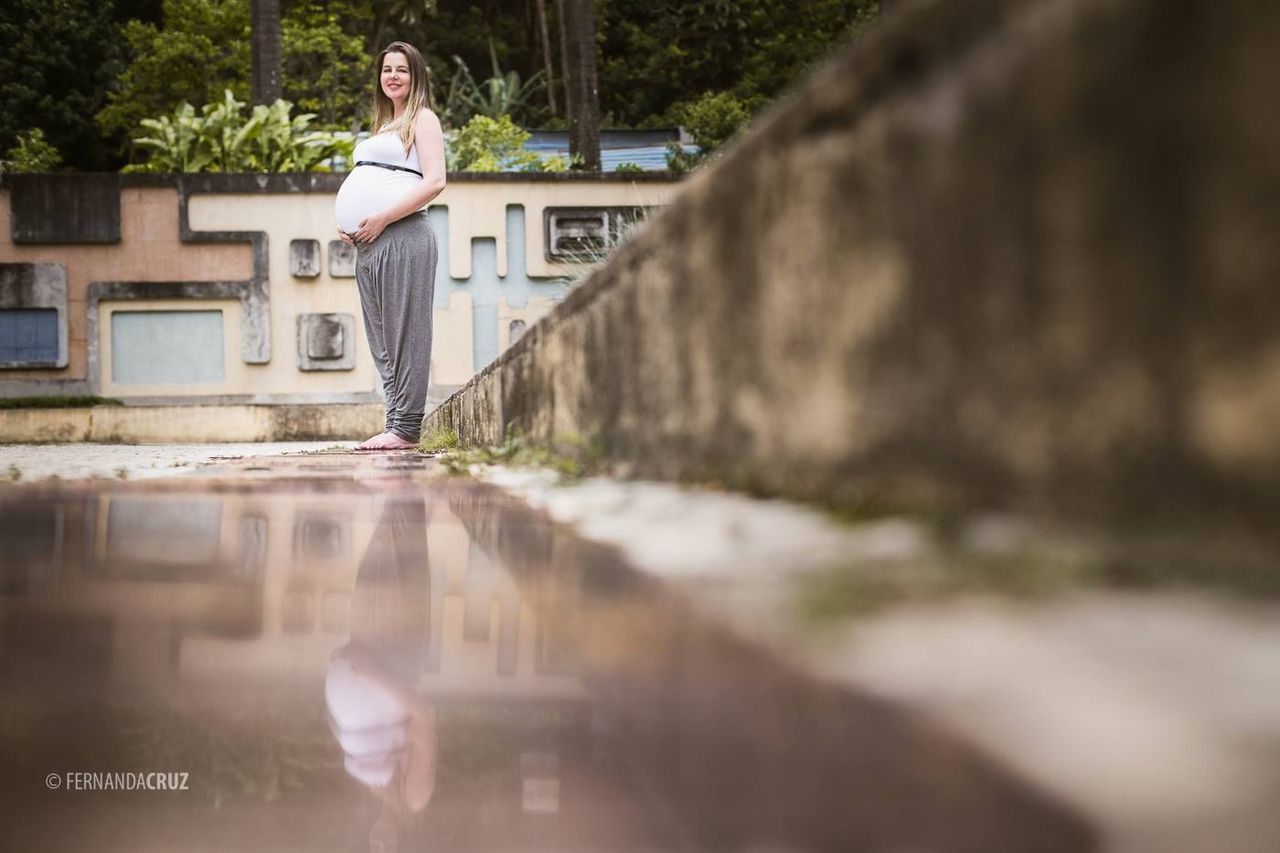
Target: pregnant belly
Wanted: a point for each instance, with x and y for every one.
(368, 190)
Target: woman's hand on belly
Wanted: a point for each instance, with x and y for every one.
(345, 237)
(370, 228)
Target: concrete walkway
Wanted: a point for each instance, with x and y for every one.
(34, 462)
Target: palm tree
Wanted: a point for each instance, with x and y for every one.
(564, 57)
(584, 119)
(546, 56)
(265, 86)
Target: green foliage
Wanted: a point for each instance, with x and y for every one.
(201, 51)
(476, 33)
(570, 456)
(628, 168)
(712, 119)
(681, 160)
(57, 60)
(656, 55)
(439, 440)
(495, 145)
(222, 139)
(503, 94)
(32, 154)
(87, 74)
(325, 68)
(277, 142)
(56, 402)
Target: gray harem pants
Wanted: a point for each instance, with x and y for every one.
(396, 275)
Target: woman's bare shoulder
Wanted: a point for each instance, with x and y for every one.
(427, 120)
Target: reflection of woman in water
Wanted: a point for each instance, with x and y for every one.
(386, 730)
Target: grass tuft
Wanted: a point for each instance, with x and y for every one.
(438, 441)
(57, 402)
(570, 456)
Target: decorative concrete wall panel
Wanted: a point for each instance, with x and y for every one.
(479, 208)
(149, 249)
(326, 342)
(342, 259)
(65, 208)
(260, 241)
(155, 347)
(170, 348)
(452, 341)
(304, 258)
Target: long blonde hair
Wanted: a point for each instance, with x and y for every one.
(384, 109)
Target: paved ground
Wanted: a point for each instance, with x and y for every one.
(33, 462)
(1150, 705)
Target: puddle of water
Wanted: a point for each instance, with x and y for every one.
(344, 664)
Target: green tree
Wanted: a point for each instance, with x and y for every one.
(31, 154)
(660, 56)
(201, 50)
(712, 119)
(326, 68)
(487, 144)
(57, 58)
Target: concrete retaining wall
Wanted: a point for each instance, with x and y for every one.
(191, 424)
(997, 253)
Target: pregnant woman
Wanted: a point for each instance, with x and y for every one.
(380, 209)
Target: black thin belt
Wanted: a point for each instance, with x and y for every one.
(389, 166)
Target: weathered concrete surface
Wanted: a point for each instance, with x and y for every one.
(1150, 709)
(65, 208)
(191, 424)
(1005, 252)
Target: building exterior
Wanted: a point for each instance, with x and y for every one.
(163, 290)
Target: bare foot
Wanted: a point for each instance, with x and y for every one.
(385, 441)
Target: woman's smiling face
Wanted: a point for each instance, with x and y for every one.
(396, 78)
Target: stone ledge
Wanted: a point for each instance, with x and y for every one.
(191, 424)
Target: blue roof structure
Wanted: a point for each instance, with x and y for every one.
(645, 148)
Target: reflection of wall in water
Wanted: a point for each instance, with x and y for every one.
(205, 586)
(31, 543)
(138, 572)
(485, 640)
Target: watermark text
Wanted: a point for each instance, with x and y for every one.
(155, 780)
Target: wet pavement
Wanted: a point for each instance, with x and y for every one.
(344, 652)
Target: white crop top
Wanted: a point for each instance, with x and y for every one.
(370, 189)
